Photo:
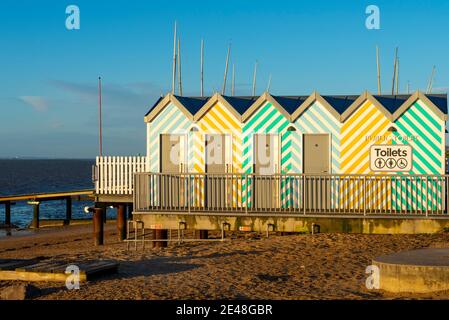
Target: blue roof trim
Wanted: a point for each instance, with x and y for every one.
(193, 104)
(340, 103)
(439, 100)
(241, 104)
(290, 103)
(392, 102)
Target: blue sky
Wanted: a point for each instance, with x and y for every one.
(48, 96)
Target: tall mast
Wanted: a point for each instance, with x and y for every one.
(233, 80)
(397, 77)
(269, 83)
(223, 91)
(179, 67)
(254, 79)
(379, 89)
(100, 124)
(174, 63)
(429, 87)
(202, 68)
(394, 71)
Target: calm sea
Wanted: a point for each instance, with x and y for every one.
(37, 176)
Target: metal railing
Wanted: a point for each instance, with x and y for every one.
(422, 195)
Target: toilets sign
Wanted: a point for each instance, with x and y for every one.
(391, 158)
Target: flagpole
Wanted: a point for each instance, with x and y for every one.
(100, 117)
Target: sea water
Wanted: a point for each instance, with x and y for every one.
(38, 176)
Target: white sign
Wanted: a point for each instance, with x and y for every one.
(390, 158)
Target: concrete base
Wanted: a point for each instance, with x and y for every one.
(417, 271)
(297, 224)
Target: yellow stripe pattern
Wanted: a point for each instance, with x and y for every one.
(365, 127)
(219, 120)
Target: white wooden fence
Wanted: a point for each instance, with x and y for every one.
(115, 175)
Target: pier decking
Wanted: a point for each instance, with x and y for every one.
(35, 199)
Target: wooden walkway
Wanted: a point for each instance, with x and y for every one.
(49, 196)
(34, 270)
(35, 199)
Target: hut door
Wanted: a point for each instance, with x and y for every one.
(266, 168)
(316, 158)
(218, 163)
(172, 163)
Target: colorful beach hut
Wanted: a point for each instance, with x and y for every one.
(337, 139)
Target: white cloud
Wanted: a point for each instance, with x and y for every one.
(37, 102)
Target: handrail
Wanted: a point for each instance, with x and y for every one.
(388, 175)
(292, 193)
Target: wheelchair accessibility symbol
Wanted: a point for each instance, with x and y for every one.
(402, 163)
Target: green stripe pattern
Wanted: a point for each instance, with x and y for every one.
(421, 194)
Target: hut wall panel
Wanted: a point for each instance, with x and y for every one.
(317, 119)
(428, 158)
(170, 120)
(267, 119)
(367, 126)
(218, 119)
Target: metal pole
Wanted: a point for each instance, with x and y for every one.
(202, 67)
(394, 71)
(254, 79)
(179, 67)
(174, 63)
(98, 226)
(100, 116)
(269, 84)
(233, 80)
(429, 87)
(397, 77)
(223, 91)
(379, 89)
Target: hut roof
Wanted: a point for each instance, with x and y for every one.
(341, 103)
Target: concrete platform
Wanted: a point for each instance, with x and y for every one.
(297, 223)
(416, 271)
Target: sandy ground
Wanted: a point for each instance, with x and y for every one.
(321, 266)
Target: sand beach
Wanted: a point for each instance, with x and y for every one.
(250, 266)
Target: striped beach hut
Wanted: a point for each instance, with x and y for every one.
(340, 136)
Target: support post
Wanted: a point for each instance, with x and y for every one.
(121, 222)
(35, 223)
(8, 213)
(98, 226)
(202, 234)
(105, 211)
(160, 234)
(130, 211)
(68, 211)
